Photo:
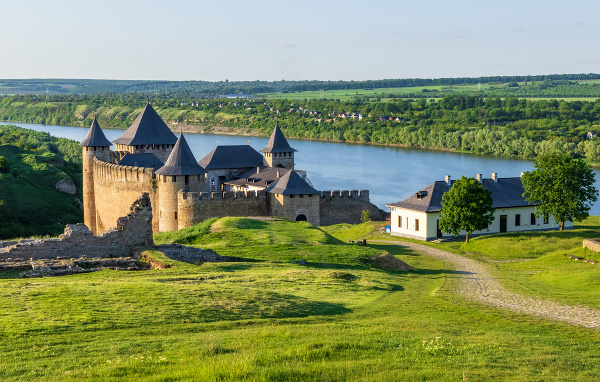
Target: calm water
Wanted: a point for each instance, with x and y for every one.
(390, 173)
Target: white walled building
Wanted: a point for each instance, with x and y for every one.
(417, 216)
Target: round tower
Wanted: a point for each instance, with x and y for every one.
(180, 173)
(95, 145)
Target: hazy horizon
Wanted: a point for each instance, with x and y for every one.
(271, 41)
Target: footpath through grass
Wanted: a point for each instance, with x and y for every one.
(537, 263)
(334, 319)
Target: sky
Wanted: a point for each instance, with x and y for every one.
(289, 40)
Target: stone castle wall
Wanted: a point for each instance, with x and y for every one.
(346, 206)
(195, 207)
(116, 188)
(291, 206)
(131, 232)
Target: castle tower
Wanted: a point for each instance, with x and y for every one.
(180, 172)
(293, 198)
(147, 134)
(95, 145)
(278, 151)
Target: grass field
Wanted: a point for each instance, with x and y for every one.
(336, 318)
(348, 94)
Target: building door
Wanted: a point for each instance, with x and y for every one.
(503, 219)
(439, 231)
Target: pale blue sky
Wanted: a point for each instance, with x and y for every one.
(274, 40)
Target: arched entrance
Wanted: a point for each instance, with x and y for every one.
(301, 218)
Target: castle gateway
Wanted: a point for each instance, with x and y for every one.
(229, 181)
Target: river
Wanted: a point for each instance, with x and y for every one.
(390, 173)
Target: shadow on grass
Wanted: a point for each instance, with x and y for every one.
(394, 249)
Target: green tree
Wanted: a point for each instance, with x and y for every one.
(562, 187)
(365, 216)
(466, 206)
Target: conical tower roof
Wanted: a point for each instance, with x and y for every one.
(181, 161)
(277, 143)
(147, 129)
(95, 137)
(291, 184)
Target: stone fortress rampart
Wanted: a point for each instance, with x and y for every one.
(116, 187)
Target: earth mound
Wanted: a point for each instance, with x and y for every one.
(390, 263)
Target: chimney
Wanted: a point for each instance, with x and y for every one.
(278, 174)
(448, 179)
(478, 177)
(495, 176)
(257, 170)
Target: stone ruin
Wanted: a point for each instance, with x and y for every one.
(132, 233)
(77, 250)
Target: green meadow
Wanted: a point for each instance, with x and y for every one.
(333, 317)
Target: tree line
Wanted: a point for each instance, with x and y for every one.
(505, 127)
(88, 86)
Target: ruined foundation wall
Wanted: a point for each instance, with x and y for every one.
(346, 206)
(131, 232)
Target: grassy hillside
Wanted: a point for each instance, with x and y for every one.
(33, 164)
(334, 319)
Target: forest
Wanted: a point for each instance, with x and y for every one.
(214, 88)
(506, 127)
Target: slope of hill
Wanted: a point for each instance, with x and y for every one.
(32, 164)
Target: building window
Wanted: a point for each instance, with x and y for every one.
(517, 220)
(407, 222)
(416, 224)
(532, 219)
(174, 179)
(399, 221)
(187, 180)
(175, 215)
(546, 220)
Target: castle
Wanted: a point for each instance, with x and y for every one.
(231, 180)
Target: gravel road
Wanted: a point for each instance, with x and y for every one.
(476, 283)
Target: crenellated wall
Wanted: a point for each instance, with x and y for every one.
(346, 206)
(195, 207)
(116, 188)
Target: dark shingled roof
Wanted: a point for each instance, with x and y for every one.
(264, 178)
(277, 143)
(147, 129)
(506, 192)
(181, 161)
(234, 156)
(141, 160)
(291, 184)
(95, 137)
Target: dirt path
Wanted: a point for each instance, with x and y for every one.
(479, 285)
